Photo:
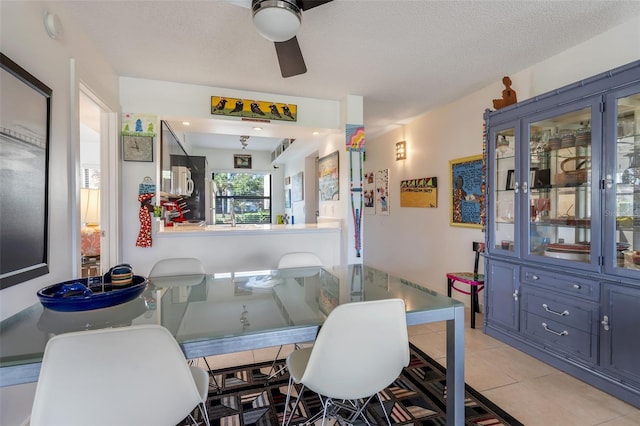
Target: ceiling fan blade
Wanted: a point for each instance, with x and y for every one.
(242, 3)
(310, 4)
(290, 58)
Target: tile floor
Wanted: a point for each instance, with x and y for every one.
(531, 391)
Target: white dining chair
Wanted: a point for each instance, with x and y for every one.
(133, 375)
(298, 260)
(361, 349)
(190, 272)
(177, 266)
(293, 260)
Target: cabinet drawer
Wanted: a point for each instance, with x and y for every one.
(563, 282)
(565, 310)
(559, 337)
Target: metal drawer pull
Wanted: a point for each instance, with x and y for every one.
(563, 333)
(535, 277)
(605, 323)
(562, 314)
(577, 286)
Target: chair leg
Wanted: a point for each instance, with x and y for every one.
(449, 284)
(383, 409)
(205, 414)
(272, 371)
(358, 410)
(477, 297)
(474, 301)
(286, 403)
(213, 376)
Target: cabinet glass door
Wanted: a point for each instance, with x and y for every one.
(504, 184)
(626, 182)
(559, 187)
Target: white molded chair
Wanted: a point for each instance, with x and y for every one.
(134, 375)
(299, 260)
(291, 261)
(361, 348)
(177, 266)
(162, 275)
(189, 270)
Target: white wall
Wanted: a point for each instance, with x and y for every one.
(168, 99)
(23, 39)
(424, 246)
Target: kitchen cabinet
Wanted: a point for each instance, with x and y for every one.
(563, 228)
(619, 336)
(563, 324)
(503, 304)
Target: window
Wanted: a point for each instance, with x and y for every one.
(250, 193)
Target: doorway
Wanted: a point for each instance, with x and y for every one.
(93, 181)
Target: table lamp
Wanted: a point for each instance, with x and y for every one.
(90, 217)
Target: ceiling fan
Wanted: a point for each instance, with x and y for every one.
(279, 21)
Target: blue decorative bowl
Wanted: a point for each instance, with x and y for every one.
(84, 294)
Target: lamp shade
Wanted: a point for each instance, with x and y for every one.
(276, 20)
(90, 206)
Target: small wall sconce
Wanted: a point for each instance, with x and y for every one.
(401, 150)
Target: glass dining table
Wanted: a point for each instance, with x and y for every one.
(232, 312)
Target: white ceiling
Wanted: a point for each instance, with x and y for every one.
(403, 56)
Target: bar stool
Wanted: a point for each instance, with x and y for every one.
(474, 280)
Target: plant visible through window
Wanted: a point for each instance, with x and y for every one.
(249, 193)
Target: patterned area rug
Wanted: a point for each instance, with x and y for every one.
(417, 397)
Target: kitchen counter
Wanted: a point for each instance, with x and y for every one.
(247, 246)
(256, 229)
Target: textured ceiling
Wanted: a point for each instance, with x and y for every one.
(403, 57)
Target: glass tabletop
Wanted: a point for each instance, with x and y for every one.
(229, 312)
(234, 304)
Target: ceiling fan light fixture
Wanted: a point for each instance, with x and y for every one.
(276, 20)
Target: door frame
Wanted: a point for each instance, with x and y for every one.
(109, 177)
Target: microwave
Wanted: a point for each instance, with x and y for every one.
(181, 183)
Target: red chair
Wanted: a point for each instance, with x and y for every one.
(474, 280)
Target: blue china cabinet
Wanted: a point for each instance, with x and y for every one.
(562, 261)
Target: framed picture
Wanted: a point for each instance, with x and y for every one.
(542, 179)
(241, 161)
(297, 193)
(382, 192)
(532, 176)
(287, 198)
(422, 192)
(329, 177)
(369, 193)
(25, 127)
(511, 178)
(467, 192)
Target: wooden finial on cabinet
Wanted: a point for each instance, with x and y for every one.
(508, 95)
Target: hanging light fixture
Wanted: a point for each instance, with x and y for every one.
(243, 141)
(276, 20)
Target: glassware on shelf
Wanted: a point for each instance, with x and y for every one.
(502, 144)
